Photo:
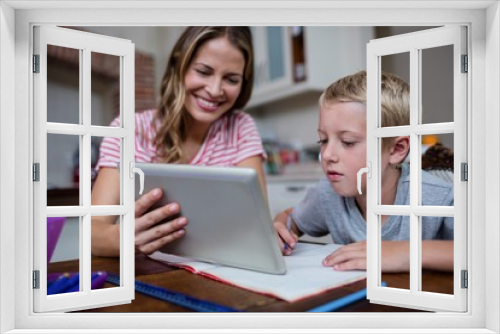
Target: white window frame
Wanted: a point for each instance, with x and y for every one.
(483, 20)
(414, 43)
(85, 43)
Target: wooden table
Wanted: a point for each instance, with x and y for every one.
(160, 274)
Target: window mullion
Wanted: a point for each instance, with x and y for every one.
(415, 103)
(406, 210)
(372, 226)
(433, 129)
(420, 129)
(102, 131)
(85, 177)
(415, 271)
(127, 265)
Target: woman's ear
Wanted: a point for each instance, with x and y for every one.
(399, 149)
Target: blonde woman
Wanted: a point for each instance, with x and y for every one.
(208, 80)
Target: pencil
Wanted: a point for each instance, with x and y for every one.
(288, 227)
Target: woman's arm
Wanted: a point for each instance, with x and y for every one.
(153, 228)
(105, 234)
(255, 162)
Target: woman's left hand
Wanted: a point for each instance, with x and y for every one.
(395, 257)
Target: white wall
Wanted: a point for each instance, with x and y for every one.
(492, 159)
(7, 165)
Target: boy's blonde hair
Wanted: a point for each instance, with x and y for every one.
(395, 96)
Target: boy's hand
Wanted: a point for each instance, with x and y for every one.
(285, 236)
(395, 257)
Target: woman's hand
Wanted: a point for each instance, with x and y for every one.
(158, 227)
(395, 257)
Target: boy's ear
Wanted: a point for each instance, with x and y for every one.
(399, 149)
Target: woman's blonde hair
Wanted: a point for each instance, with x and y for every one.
(171, 111)
(395, 97)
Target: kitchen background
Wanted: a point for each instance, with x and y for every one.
(293, 65)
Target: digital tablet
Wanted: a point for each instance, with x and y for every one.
(228, 218)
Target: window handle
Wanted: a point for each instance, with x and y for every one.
(139, 171)
(366, 170)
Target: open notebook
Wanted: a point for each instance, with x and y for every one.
(305, 275)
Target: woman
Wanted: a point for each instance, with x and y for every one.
(208, 79)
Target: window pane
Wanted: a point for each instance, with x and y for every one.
(63, 85)
(439, 278)
(63, 170)
(437, 85)
(63, 254)
(101, 266)
(437, 170)
(394, 171)
(106, 161)
(105, 79)
(395, 236)
(397, 64)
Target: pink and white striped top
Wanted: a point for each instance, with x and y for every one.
(230, 140)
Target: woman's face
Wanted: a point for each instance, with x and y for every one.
(213, 80)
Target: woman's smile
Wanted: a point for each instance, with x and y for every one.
(207, 105)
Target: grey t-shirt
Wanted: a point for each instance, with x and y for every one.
(323, 211)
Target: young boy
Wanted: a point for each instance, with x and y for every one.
(334, 206)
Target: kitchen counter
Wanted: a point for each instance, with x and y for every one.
(308, 177)
(305, 171)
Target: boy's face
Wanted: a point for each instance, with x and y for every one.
(342, 138)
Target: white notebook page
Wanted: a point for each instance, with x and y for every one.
(305, 274)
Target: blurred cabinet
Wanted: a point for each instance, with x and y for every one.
(294, 60)
(272, 64)
(284, 194)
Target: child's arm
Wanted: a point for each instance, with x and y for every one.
(436, 255)
(285, 235)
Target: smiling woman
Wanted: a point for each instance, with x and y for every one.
(199, 121)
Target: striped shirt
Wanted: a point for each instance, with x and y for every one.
(230, 140)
